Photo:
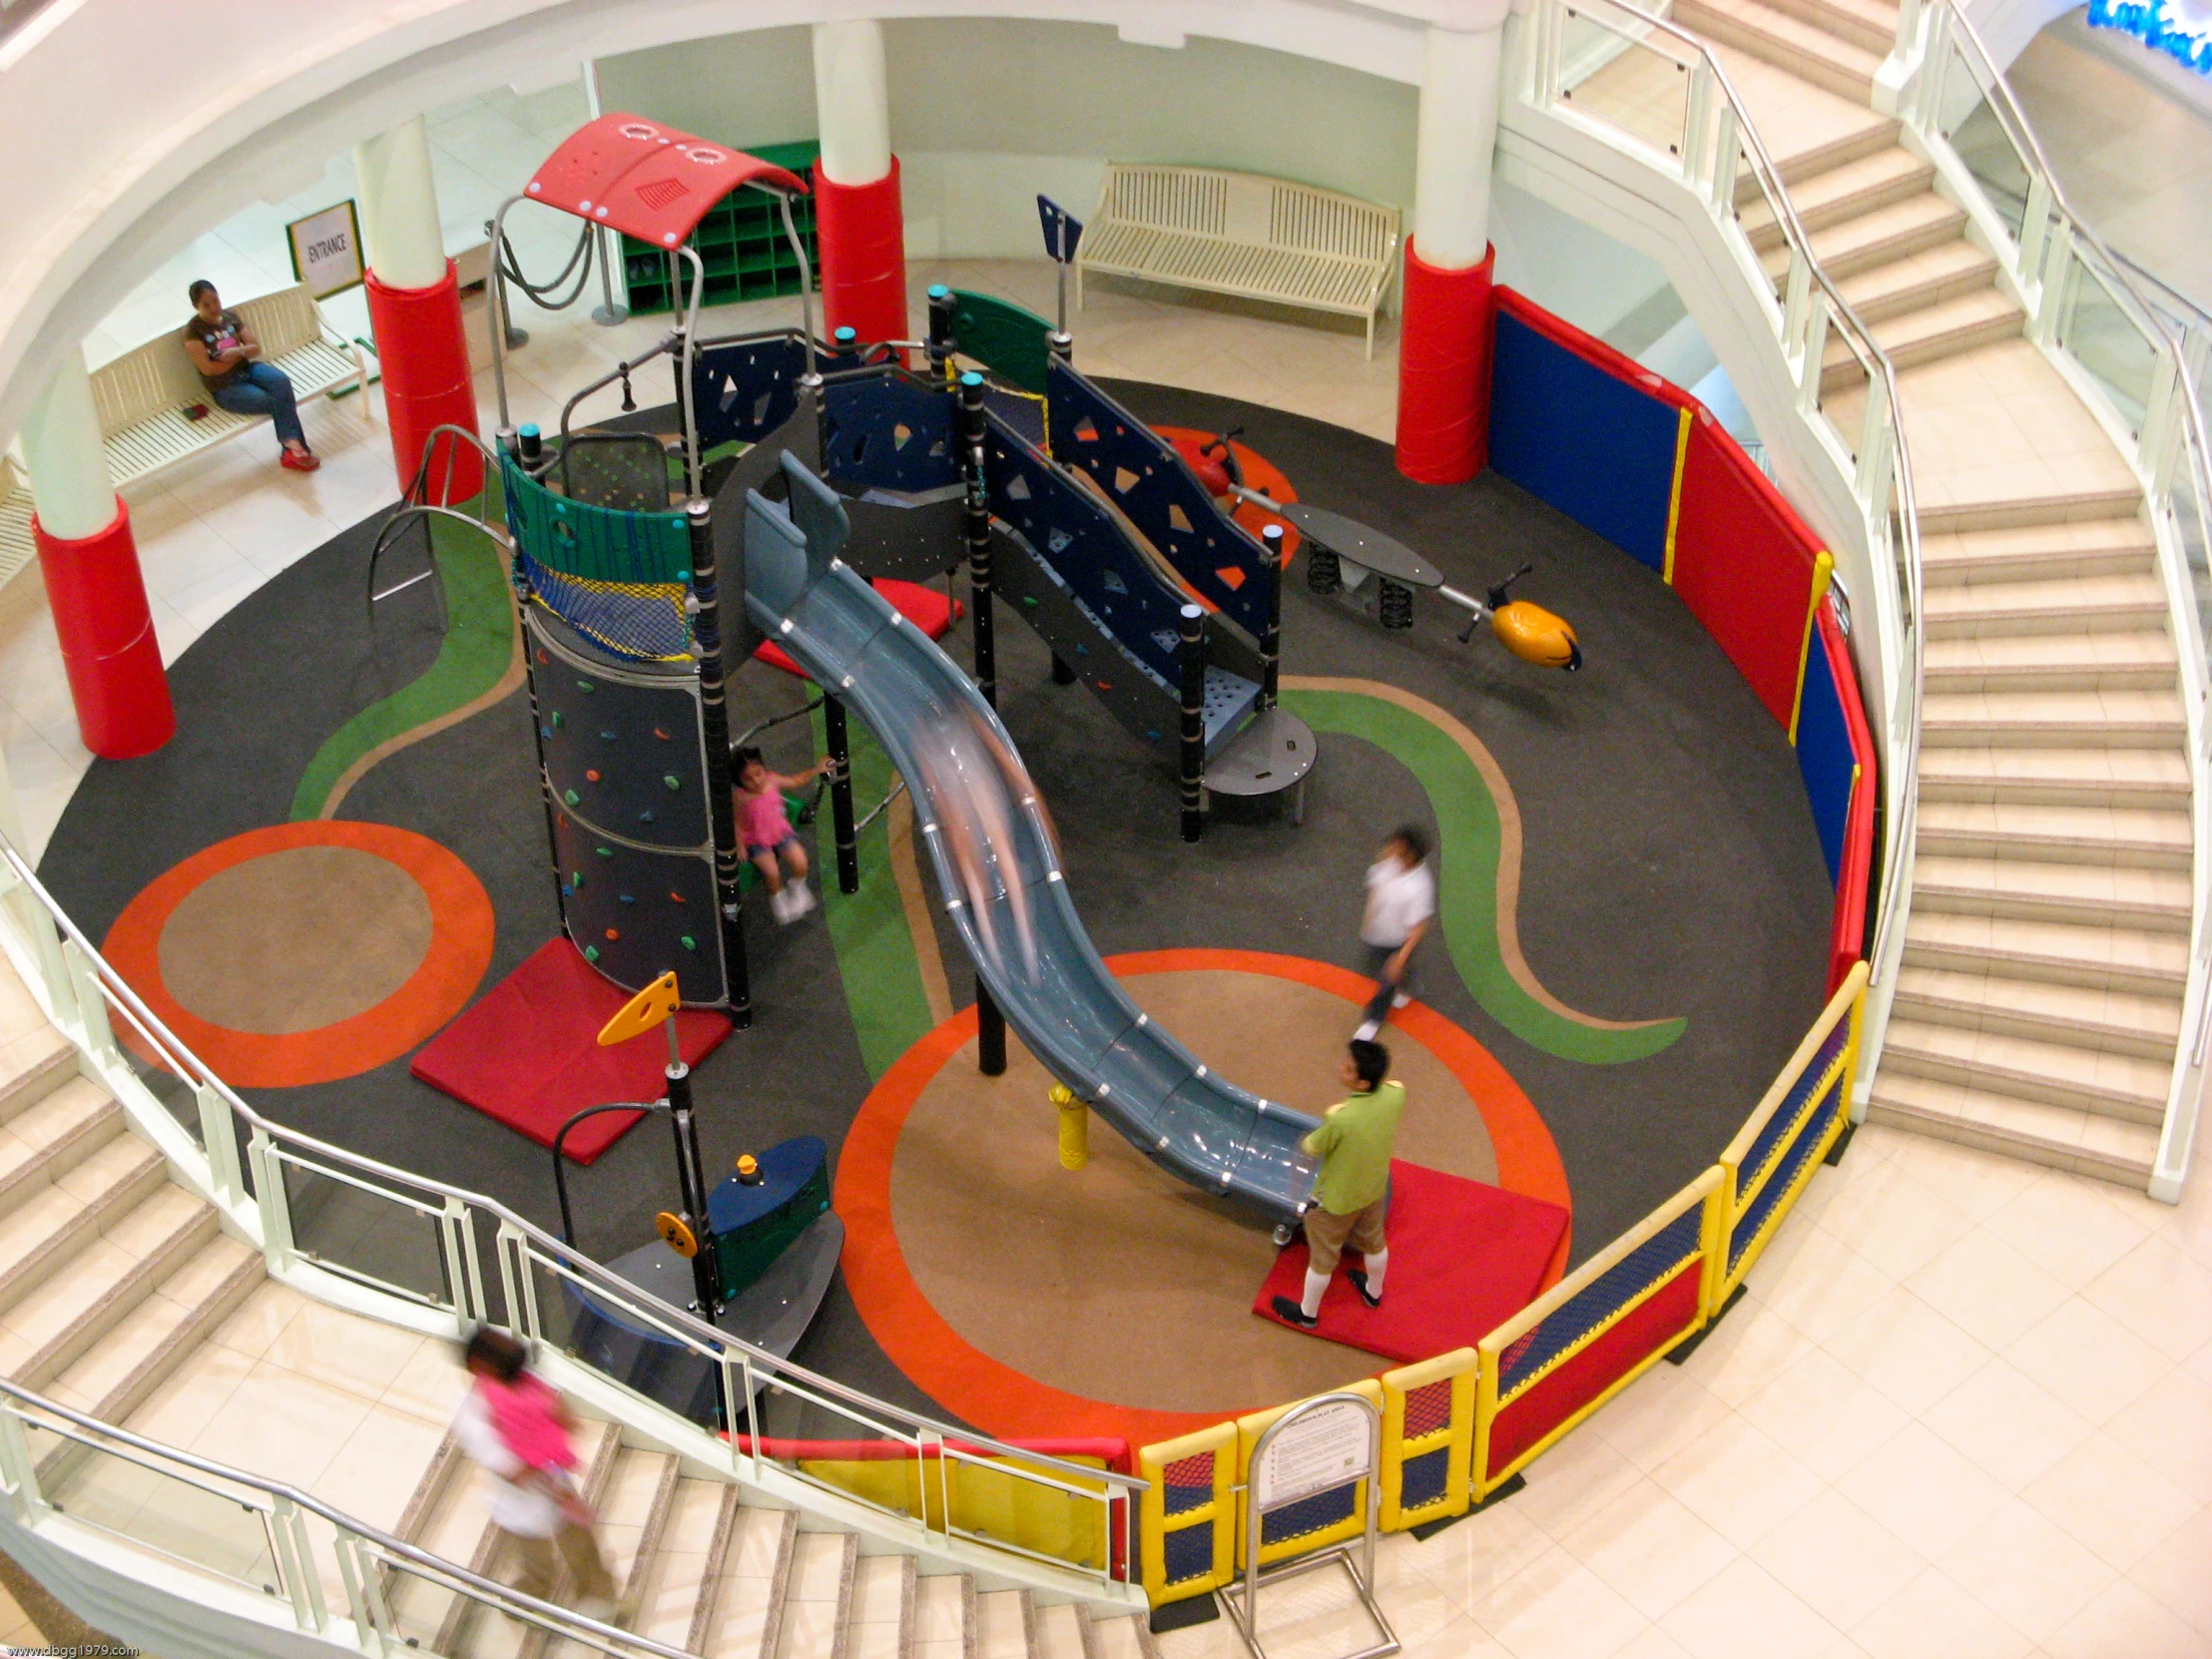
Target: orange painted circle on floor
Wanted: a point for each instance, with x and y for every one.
(1259, 475)
(958, 1347)
(352, 943)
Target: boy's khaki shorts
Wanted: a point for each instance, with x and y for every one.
(1327, 1234)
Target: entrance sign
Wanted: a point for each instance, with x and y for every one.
(1319, 1452)
(327, 250)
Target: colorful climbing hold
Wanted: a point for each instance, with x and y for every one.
(626, 898)
(571, 796)
(672, 780)
(612, 934)
(658, 733)
(557, 720)
(591, 777)
(675, 897)
(606, 853)
(586, 686)
(688, 943)
(591, 953)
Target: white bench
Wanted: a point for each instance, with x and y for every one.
(1240, 233)
(141, 399)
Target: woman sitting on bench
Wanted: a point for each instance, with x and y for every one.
(222, 348)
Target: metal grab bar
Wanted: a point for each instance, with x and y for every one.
(169, 1457)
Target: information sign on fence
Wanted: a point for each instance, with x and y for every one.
(1326, 1448)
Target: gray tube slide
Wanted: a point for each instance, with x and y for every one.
(997, 863)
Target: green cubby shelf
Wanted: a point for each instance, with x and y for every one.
(739, 243)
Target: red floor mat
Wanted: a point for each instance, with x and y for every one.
(1464, 1257)
(527, 1053)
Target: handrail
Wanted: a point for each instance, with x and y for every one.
(571, 1261)
(488, 1588)
(1889, 901)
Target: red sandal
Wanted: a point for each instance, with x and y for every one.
(298, 461)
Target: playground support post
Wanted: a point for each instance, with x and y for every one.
(691, 1176)
(714, 718)
(991, 1024)
(1194, 722)
(1271, 643)
(1061, 344)
(841, 795)
(941, 306)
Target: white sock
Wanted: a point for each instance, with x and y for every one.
(1377, 1264)
(1315, 1283)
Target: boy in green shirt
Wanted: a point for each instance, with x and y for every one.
(1353, 1189)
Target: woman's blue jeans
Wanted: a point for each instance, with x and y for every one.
(264, 390)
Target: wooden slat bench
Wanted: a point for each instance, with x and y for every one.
(141, 399)
(1240, 233)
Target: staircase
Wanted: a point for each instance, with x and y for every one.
(2038, 1005)
(122, 1296)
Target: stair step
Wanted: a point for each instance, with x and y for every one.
(941, 1616)
(2039, 552)
(100, 1284)
(671, 1599)
(1865, 23)
(751, 1597)
(55, 1133)
(1122, 1637)
(2066, 606)
(1926, 278)
(47, 1224)
(1002, 1625)
(2108, 658)
(1927, 334)
(2099, 957)
(1889, 233)
(35, 1059)
(1841, 193)
(2125, 1086)
(1947, 518)
(632, 1517)
(2123, 1022)
(2055, 834)
(2075, 719)
(1060, 1633)
(116, 1374)
(1804, 49)
(883, 1613)
(817, 1598)
(2156, 901)
(2070, 777)
(2059, 1136)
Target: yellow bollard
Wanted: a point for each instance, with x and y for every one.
(1075, 1128)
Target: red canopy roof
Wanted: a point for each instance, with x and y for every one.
(646, 180)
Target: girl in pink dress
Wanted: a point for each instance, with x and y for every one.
(765, 825)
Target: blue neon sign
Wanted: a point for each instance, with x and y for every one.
(2162, 26)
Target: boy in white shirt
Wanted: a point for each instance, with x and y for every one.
(1401, 903)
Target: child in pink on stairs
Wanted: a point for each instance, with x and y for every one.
(765, 823)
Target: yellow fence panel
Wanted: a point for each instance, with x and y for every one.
(1428, 1438)
(1781, 1145)
(1186, 1544)
(990, 1501)
(1313, 1523)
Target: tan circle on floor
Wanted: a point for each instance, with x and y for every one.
(1120, 1282)
(296, 939)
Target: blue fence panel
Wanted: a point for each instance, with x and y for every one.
(884, 429)
(743, 390)
(1142, 476)
(1815, 1077)
(1593, 445)
(1795, 1156)
(1824, 755)
(1657, 1259)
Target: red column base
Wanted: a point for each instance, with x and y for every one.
(108, 650)
(1443, 371)
(862, 232)
(427, 384)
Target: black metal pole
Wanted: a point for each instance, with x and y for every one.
(941, 306)
(840, 794)
(560, 1140)
(692, 1178)
(713, 716)
(1194, 722)
(1271, 643)
(991, 1024)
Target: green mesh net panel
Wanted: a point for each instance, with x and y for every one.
(619, 578)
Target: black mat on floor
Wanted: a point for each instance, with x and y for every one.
(1671, 866)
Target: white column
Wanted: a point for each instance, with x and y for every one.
(852, 102)
(399, 208)
(1459, 131)
(66, 456)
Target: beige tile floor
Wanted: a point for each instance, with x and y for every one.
(16, 1628)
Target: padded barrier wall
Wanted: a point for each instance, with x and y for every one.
(1640, 461)
(1456, 1428)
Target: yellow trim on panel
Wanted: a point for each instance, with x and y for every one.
(1674, 496)
(1824, 572)
(1218, 1513)
(1456, 1438)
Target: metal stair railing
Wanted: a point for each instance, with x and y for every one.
(1674, 107)
(2130, 343)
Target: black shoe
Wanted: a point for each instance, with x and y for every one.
(1286, 1309)
(1359, 1277)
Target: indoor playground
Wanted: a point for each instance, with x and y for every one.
(1119, 689)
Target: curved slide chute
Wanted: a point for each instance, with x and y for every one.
(997, 862)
